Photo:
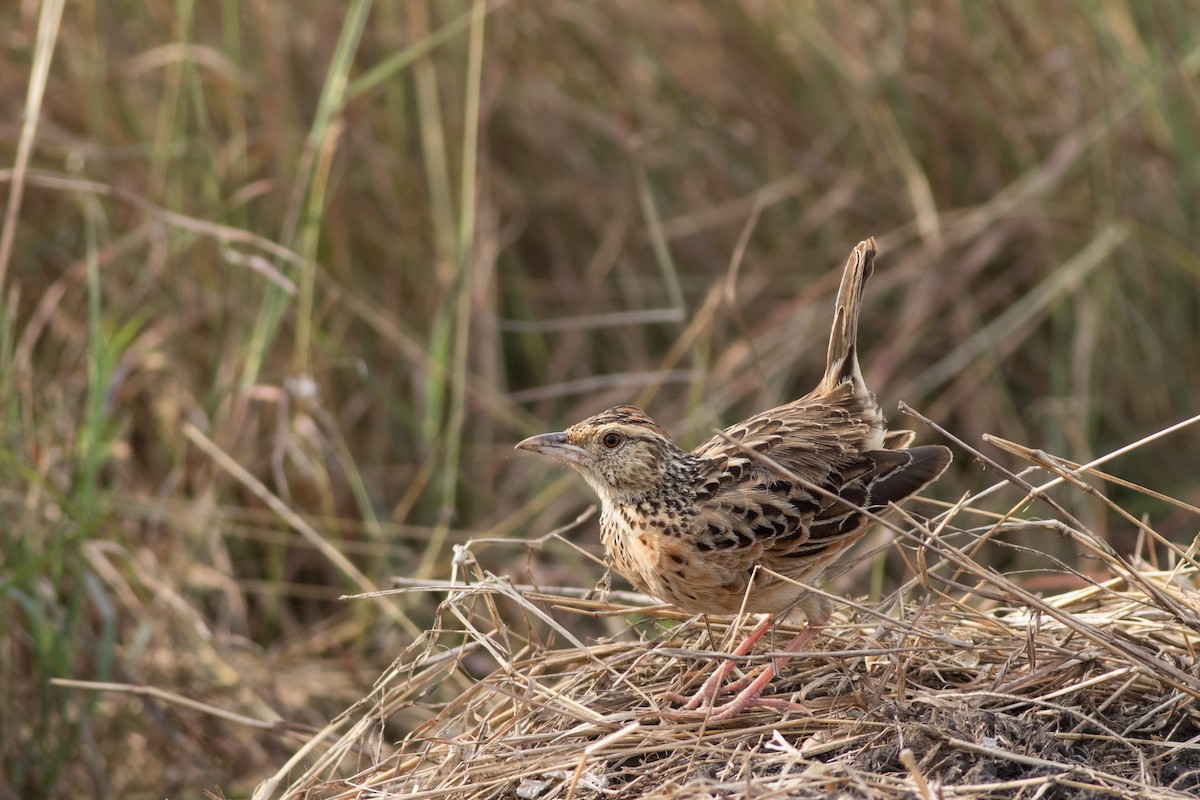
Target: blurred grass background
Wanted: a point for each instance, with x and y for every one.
(287, 280)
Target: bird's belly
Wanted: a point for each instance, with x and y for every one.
(673, 569)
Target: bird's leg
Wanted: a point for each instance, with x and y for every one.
(751, 687)
(712, 687)
(751, 696)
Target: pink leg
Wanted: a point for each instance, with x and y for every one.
(751, 696)
(712, 686)
(751, 687)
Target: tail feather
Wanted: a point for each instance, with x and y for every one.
(898, 440)
(878, 478)
(899, 474)
(842, 362)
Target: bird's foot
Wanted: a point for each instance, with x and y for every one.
(748, 689)
(703, 705)
(707, 694)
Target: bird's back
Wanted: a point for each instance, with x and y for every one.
(788, 489)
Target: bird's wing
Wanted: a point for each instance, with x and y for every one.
(798, 529)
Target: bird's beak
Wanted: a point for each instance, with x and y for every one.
(554, 445)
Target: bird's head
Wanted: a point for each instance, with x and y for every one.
(622, 454)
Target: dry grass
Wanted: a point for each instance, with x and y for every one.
(282, 282)
(962, 683)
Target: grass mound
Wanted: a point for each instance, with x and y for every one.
(961, 683)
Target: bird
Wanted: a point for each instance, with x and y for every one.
(747, 520)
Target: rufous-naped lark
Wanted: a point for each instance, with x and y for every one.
(736, 524)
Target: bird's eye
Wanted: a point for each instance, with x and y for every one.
(612, 439)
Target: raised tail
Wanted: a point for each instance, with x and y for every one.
(842, 362)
